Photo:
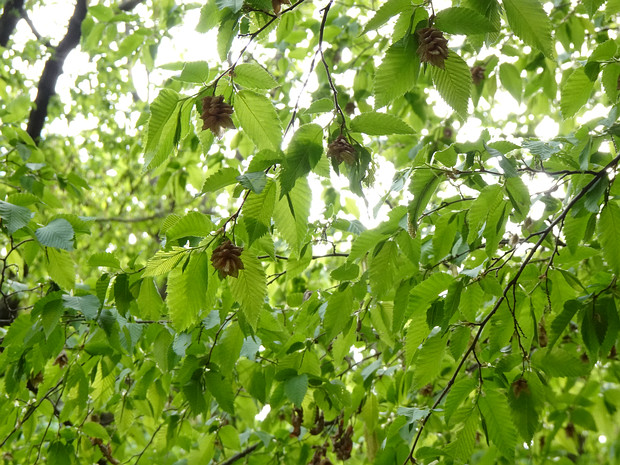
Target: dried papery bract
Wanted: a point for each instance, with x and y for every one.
(477, 74)
(341, 151)
(216, 115)
(277, 5)
(433, 47)
(226, 259)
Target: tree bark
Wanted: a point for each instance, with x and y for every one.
(9, 19)
(53, 69)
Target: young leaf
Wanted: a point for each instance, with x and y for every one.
(457, 20)
(258, 118)
(257, 211)
(161, 128)
(60, 267)
(338, 312)
(254, 76)
(424, 182)
(193, 224)
(250, 288)
(387, 11)
(291, 212)
(221, 178)
(302, 154)
(164, 261)
(575, 93)
(608, 233)
(398, 72)
(454, 83)
(429, 359)
(529, 22)
(379, 124)
(187, 291)
(14, 217)
(500, 427)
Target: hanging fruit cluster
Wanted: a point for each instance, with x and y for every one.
(340, 150)
(226, 259)
(433, 47)
(320, 455)
(343, 442)
(216, 115)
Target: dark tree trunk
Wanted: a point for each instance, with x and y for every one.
(9, 19)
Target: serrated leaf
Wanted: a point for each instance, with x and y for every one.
(424, 182)
(161, 127)
(511, 79)
(609, 79)
(488, 201)
(519, 196)
(58, 233)
(322, 105)
(608, 233)
(454, 83)
(14, 217)
(295, 388)
(95, 430)
(574, 230)
(560, 363)
(463, 447)
(257, 211)
(388, 10)
(381, 270)
(575, 93)
(426, 292)
(530, 23)
(303, 153)
(250, 288)
(106, 259)
(234, 5)
(164, 261)
(258, 118)
(562, 320)
(338, 312)
(291, 212)
(366, 241)
(457, 394)
(209, 17)
(254, 76)
(429, 359)
(379, 124)
(458, 20)
(195, 71)
(523, 408)
(193, 224)
(60, 267)
(87, 304)
(221, 178)
(187, 291)
(397, 73)
(255, 181)
(500, 428)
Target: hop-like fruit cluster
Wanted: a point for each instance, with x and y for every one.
(341, 151)
(477, 74)
(277, 5)
(226, 259)
(216, 114)
(433, 47)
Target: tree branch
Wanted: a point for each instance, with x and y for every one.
(9, 19)
(241, 454)
(511, 284)
(53, 69)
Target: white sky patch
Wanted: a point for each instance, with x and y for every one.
(260, 416)
(132, 239)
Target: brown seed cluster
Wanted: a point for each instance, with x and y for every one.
(343, 442)
(226, 259)
(477, 74)
(341, 151)
(433, 47)
(216, 115)
(277, 5)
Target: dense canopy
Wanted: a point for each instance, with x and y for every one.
(353, 231)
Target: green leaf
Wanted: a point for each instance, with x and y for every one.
(428, 361)
(60, 267)
(379, 124)
(560, 363)
(519, 196)
(295, 388)
(58, 233)
(14, 217)
(457, 20)
(424, 182)
(106, 259)
(486, 204)
(253, 76)
(381, 271)
(500, 428)
(258, 118)
(161, 127)
(523, 408)
(221, 178)
(302, 154)
(608, 233)
(575, 93)
(463, 447)
(257, 211)
(250, 288)
(561, 321)
(291, 212)
(459, 392)
(209, 17)
(193, 224)
(387, 11)
(187, 291)
(366, 241)
(426, 292)
(397, 73)
(322, 105)
(338, 312)
(454, 83)
(234, 5)
(164, 261)
(88, 305)
(95, 430)
(530, 23)
(253, 181)
(511, 79)
(195, 71)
